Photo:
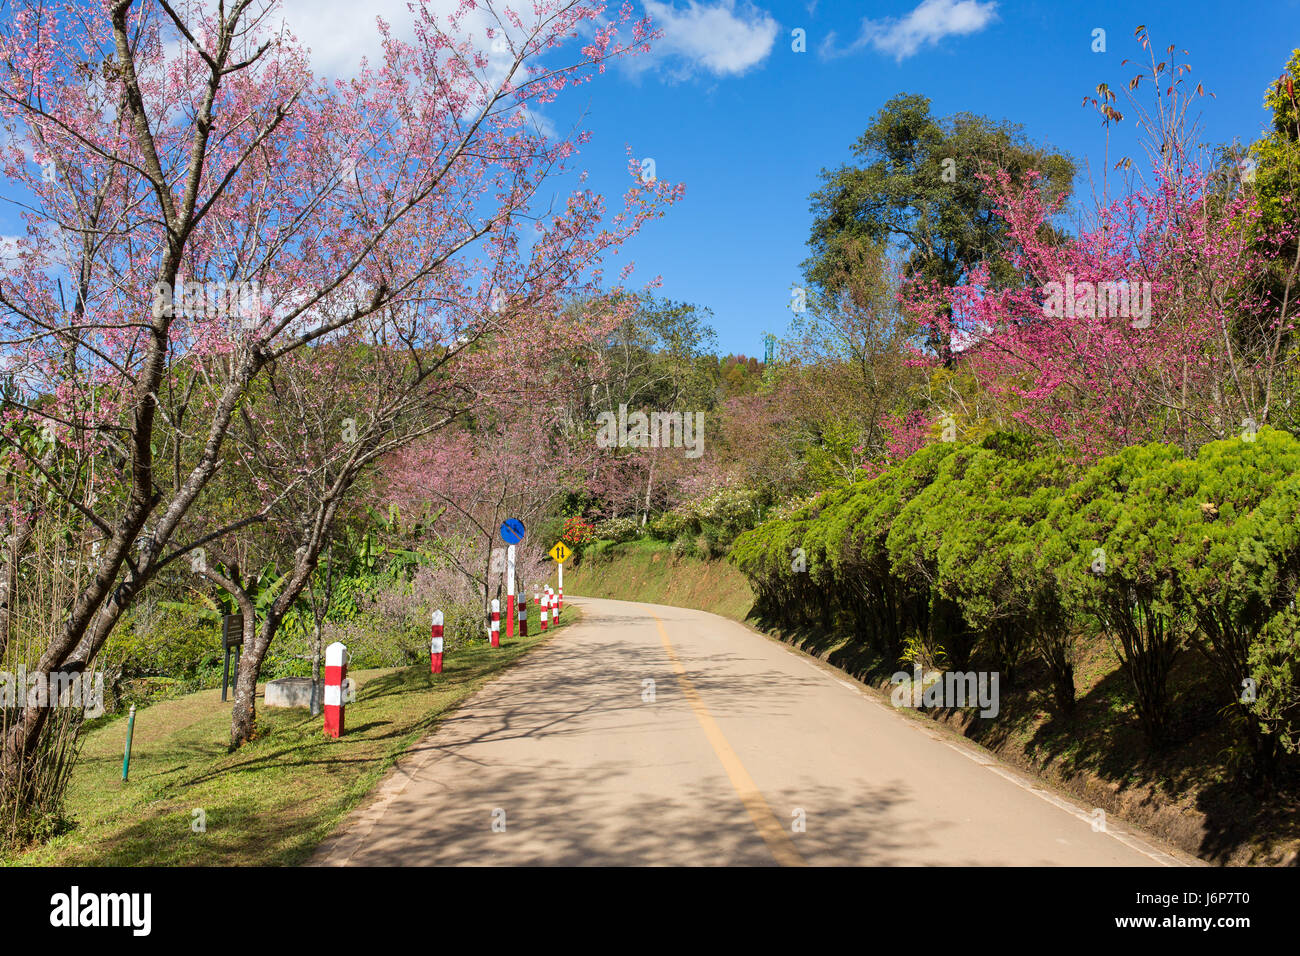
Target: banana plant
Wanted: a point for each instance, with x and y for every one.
(262, 587)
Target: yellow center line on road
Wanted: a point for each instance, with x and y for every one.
(765, 821)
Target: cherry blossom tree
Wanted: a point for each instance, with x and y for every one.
(201, 207)
(1147, 325)
(471, 480)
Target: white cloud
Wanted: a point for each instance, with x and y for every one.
(716, 37)
(721, 37)
(930, 22)
(8, 251)
(338, 32)
(341, 32)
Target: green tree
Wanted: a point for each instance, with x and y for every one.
(1277, 158)
(1276, 183)
(662, 358)
(848, 367)
(917, 188)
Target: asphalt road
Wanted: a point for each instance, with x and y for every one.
(741, 752)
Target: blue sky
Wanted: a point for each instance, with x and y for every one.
(725, 106)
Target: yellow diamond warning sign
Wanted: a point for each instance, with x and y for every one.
(560, 552)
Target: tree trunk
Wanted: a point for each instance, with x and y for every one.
(256, 641)
(18, 540)
(649, 482)
(487, 589)
(317, 685)
(244, 716)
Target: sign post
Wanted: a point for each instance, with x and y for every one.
(232, 639)
(510, 592)
(561, 554)
(130, 729)
(512, 532)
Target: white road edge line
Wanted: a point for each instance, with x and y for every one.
(1164, 859)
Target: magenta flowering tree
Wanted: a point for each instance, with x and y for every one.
(1148, 325)
(1129, 335)
(201, 207)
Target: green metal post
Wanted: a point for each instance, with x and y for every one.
(130, 728)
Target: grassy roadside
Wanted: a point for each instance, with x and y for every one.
(647, 570)
(1193, 795)
(273, 801)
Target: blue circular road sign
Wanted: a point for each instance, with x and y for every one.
(512, 531)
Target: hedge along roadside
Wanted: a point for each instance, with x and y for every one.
(998, 550)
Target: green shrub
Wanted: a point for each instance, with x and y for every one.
(618, 530)
(1236, 568)
(985, 561)
(913, 548)
(719, 517)
(995, 548)
(684, 547)
(667, 526)
(1274, 662)
(165, 643)
(1109, 549)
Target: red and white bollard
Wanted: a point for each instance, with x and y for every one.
(435, 645)
(494, 629)
(543, 605)
(336, 671)
(521, 604)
